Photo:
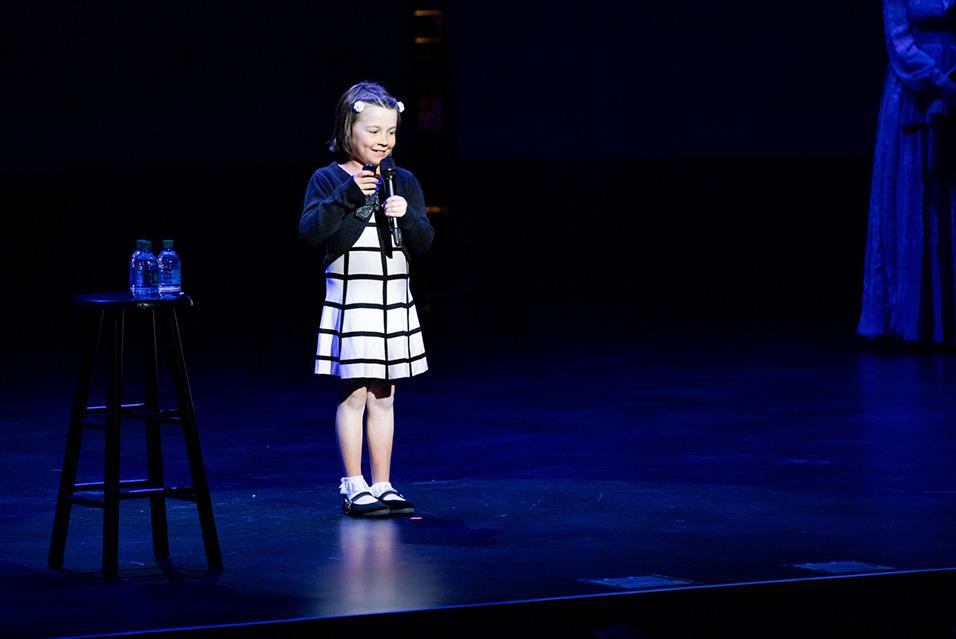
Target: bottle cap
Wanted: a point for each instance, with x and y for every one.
(141, 243)
(147, 244)
(167, 244)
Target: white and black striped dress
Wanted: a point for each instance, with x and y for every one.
(369, 326)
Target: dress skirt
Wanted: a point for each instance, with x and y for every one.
(369, 326)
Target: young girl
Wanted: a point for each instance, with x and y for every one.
(369, 333)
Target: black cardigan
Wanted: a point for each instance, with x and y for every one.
(333, 197)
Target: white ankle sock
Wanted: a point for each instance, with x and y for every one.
(381, 487)
(351, 486)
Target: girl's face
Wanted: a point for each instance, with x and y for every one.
(373, 134)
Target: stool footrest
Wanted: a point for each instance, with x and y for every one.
(76, 500)
(124, 483)
(135, 411)
(100, 410)
(185, 493)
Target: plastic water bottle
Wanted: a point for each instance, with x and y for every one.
(144, 271)
(132, 266)
(170, 271)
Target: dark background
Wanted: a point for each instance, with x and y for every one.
(601, 168)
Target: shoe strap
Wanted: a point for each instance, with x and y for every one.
(361, 494)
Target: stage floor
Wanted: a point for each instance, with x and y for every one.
(542, 469)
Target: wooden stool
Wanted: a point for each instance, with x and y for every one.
(110, 310)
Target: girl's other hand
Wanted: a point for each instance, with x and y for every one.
(396, 206)
(367, 181)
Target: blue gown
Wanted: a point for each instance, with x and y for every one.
(908, 287)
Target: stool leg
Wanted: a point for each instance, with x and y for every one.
(154, 443)
(81, 396)
(194, 452)
(111, 469)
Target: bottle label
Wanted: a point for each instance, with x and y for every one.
(144, 277)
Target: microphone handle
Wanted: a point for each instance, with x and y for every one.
(392, 222)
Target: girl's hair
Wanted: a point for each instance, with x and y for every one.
(371, 93)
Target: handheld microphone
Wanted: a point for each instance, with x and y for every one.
(387, 167)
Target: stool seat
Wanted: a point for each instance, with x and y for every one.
(127, 299)
(109, 310)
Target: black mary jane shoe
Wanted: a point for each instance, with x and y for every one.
(400, 506)
(372, 509)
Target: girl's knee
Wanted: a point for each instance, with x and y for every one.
(381, 395)
(354, 396)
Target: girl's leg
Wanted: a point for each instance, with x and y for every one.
(348, 428)
(381, 427)
(348, 425)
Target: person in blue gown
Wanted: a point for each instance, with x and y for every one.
(909, 289)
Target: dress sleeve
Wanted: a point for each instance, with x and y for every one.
(326, 205)
(916, 70)
(417, 231)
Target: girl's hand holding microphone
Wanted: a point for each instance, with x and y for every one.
(367, 181)
(396, 206)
